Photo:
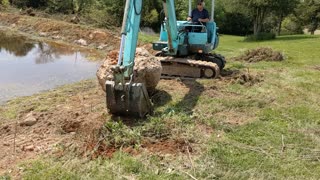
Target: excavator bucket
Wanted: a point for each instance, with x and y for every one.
(130, 100)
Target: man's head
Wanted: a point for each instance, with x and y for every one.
(200, 5)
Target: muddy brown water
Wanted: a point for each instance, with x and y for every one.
(27, 68)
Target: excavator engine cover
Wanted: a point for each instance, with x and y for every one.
(130, 100)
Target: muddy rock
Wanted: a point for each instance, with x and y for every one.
(147, 69)
(30, 120)
(81, 42)
(28, 148)
(102, 46)
(56, 37)
(75, 20)
(71, 126)
(43, 34)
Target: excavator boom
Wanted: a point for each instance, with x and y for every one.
(123, 96)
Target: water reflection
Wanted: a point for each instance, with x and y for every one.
(27, 68)
(16, 45)
(49, 53)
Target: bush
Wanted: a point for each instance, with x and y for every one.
(260, 37)
(291, 25)
(29, 3)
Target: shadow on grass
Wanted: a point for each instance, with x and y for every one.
(190, 100)
(296, 37)
(161, 98)
(284, 38)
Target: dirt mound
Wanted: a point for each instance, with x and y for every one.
(168, 146)
(64, 127)
(147, 69)
(59, 30)
(316, 67)
(247, 79)
(260, 54)
(240, 77)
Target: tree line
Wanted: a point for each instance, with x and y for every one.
(237, 17)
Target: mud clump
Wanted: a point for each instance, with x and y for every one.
(147, 69)
(241, 77)
(247, 79)
(260, 54)
(317, 67)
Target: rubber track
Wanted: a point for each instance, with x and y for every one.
(192, 63)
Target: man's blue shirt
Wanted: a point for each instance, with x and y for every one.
(196, 14)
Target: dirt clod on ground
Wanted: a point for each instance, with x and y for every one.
(260, 54)
(240, 77)
(316, 67)
(247, 79)
(147, 69)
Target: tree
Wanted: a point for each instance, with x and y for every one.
(258, 10)
(282, 9)
(309, 13)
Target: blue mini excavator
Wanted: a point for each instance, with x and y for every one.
(185, 50)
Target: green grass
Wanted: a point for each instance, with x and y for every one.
(269, 130)
(146, 38)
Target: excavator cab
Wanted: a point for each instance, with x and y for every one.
(191, 38)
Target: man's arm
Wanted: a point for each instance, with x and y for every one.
(203, 20)
(189, 18)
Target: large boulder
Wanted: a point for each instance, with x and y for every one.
(147, 69)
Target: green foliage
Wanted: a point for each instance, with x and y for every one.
(5, 177)
(309, 13)
(151, 18)
(30, 3)
(5, 3)
(235, 23)
(117, 134)
(65, 6)
(291, 25)
(260, 37)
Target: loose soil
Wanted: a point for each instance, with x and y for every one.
(66, 125)
(317, 67)
(260, 54)
(160, 146)
(240, 77)
(61, 31)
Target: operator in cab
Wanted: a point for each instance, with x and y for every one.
(199, 15)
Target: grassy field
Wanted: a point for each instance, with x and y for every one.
(225, 130)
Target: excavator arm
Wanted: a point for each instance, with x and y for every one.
(171, 26)
(124, 97)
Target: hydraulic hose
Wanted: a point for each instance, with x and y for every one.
(123, 31)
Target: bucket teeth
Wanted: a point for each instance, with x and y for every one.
(133, 100)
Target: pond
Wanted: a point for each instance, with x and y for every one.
(28, 67)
